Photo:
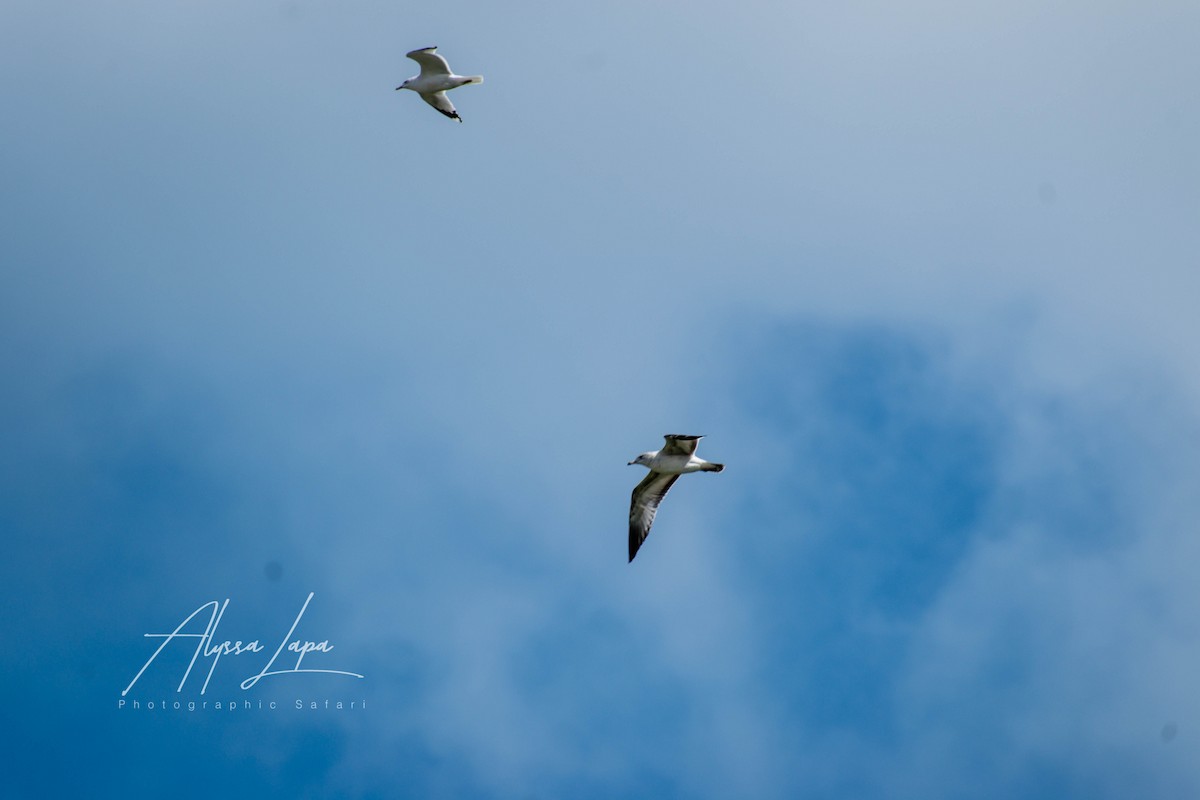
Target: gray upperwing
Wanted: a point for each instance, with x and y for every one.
(643, 505)
(431, 63)
(678, 444)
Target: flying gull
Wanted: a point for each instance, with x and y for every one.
(435, 80)
(677, 457)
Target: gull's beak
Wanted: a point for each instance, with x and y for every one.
(630, 464)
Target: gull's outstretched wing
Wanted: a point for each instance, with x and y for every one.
(442, 103)
(644, 505)
(680, 445)
(431, 63)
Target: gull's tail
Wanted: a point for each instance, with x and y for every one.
(711, 467)
(473, 79)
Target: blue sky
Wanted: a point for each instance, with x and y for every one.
(924, 275)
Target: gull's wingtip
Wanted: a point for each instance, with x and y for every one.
(636, 537)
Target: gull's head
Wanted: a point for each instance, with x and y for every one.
(644, 459)
(403, 85)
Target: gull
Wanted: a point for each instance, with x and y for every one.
(435, 80)
(666, 465)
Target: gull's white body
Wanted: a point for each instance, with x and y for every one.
(678, 457)
(670, 464)
(435, 80)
